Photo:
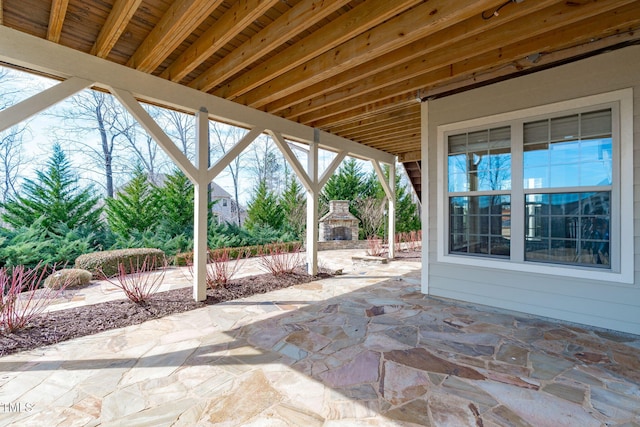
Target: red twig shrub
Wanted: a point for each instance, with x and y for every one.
(222, 266)
(137, 280)
(22, 300)
(279, 259)
(374, 246)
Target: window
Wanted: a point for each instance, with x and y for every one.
(224, 202)
(479, 180)
(571, 153)
(542, 189)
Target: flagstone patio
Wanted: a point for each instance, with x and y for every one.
(362, 349)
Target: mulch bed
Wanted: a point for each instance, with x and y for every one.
(76, 322)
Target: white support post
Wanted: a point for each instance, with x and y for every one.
(392, 210)
(201, 206)
(312, 207)
(424, 143)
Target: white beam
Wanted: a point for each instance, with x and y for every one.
(33, 53)
(312, 209)
(392, 211)
(201, 207)
(424, 177)
(230, 155)
(156, 132)
(382, 179)
(31, 106)
(331, 169)
(307, 181)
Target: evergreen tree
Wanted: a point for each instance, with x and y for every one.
(54, 198)
(293, 204)
(347, 184)
(263, 210)
(407, 218)
(176, 205)
(135, 208)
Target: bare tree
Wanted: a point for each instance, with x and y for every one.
(92, 112)
(266, 163)
(371, 212)
(11, 156)
(11, 159)
(179, 126)
(224, 138)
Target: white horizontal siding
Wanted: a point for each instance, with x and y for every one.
(604, 304)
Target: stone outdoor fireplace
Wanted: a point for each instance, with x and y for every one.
(339, 223)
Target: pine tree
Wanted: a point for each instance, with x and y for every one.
(176, 201)
(55, 199)
(293, 205)
(263, 210)
(347, 184)
(135, 208)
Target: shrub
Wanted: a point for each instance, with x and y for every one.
(186, 258)
(222, 264)
(107, 263)
(374, 246)
(279, 259)
(70, 277)
(137, 280)
(21, 299)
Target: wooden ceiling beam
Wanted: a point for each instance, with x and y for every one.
(410, 156)
(547, 58)
(368, 111)
(345, 27)
(182, 18)
(543, 21)
(382, 120)
(295, 20)
(386, 128)
(1, 13)
(411, 25)
(461, 31)
(400, 137)
(578, 33)
(56, 19)
(239, 16)
(120, 15)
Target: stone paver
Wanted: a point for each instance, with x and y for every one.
(363, 349)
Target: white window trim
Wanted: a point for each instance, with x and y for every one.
(625, 274)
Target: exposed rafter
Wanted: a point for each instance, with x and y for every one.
(119, 17)
(182, 18)
(387, 37)
(56, 19)
(515, 32)
(225, 29)
(347, 26)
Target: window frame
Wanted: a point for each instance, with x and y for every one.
(622, 254)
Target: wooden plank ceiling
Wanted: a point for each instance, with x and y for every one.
(355, 68)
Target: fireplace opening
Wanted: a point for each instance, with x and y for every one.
(340, 233)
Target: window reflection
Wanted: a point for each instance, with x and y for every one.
(480, 225)
(569, 151)
(568, 228)
(480, 161)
